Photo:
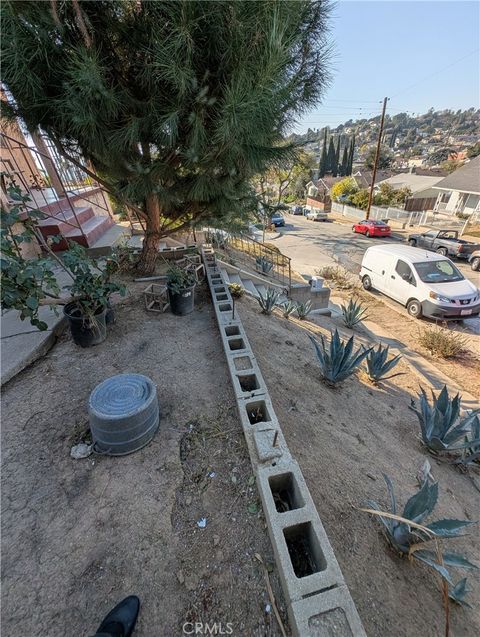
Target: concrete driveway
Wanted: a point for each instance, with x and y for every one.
(312, 245)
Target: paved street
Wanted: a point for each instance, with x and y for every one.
(312, 245)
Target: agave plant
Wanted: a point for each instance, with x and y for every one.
(337, 360)
(378, 365)
(353, 313)
(458, 593)
(441, 425)
(303, 310)
(471, 454)
(287, 308)
(263, 264)
(269, 301)
(407, 534)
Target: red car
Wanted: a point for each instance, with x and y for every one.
(372, 228)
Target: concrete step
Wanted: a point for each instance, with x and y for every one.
(63, 221)
(250, 287)
(92, 229)
(225, 275)
(234, 278)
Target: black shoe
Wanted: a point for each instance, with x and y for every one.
(121, 621)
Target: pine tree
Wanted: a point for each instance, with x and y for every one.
(350, 158)
(176, 105)
(323, 157)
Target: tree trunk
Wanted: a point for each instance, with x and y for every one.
(151, 243)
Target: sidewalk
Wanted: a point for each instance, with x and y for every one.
(21, 343)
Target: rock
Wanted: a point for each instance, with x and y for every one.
(188, 500)
(77, 452)
(180, 577)
(216, 540)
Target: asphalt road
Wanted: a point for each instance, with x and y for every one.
(313, 244)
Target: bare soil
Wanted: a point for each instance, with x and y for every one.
(344, 439)
(79, 535)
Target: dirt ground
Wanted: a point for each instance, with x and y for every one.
(344, 439)
(78, 535)
(463, 369)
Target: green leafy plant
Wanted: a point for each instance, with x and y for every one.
(441, 341)
(377, 364)
(337, 360)
(288, 308)
(303, 310)
(180, 279)
(269, 301)
(264, 264)
(236, 290)
(409, 537)
(441, 426)
(353, 313)
(28, 284)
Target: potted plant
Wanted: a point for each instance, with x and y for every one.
(181, 286)
(28, 283)
(90, 311)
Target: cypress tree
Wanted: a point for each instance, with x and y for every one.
(350, 158)
(323, 157)
(344, 164)
(337, 158)
(176, 105)
(330, 167)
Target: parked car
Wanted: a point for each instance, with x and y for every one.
(317, 215)
(297, 210)
(278, 219)
(426, 284)
(372, 228)
(444, 242)
(474, 260)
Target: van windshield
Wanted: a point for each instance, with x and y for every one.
(438, 272)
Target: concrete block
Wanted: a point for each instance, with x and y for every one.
(269, 443)
(248, 384)
(257, 411)
(328, 614)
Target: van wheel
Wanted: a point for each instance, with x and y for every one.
(476, 263)
(414, 308)
(443, 251)
(412, 242)
(367, 282)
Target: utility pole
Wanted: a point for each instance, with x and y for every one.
(377, 155)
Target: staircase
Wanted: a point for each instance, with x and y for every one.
(251, 284)
(79, 224)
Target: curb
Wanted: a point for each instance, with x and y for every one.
(314, 587)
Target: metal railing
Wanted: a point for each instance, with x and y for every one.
(265, 260)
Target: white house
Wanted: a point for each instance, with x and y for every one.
(460, 191)
(421, 186)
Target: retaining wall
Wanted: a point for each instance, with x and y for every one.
(317, 597)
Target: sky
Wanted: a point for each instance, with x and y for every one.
(420, 54)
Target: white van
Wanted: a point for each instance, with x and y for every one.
(427, 284)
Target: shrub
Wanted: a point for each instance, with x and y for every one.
(377, 365)
(353, 313)
(337, 276)
(269, 301)
(303, 310)
(440, 423)
(287, 308)
(442, 341)
(337, 361)
(236, 290)
(407, 535)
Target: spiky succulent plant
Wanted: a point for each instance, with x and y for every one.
(378, 365)
(471, 454)
(287, 308)
(337, 360)
(269, 301)
(408, 533)
(353, 313)
(264, 264)
(303, 310)
(441, 426)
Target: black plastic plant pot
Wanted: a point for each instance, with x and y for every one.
(182, 303)
(86, 330)
(109, 315)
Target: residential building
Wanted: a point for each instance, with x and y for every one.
(459, 192)
(420, 186)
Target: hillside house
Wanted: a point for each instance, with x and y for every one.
(459, 192)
